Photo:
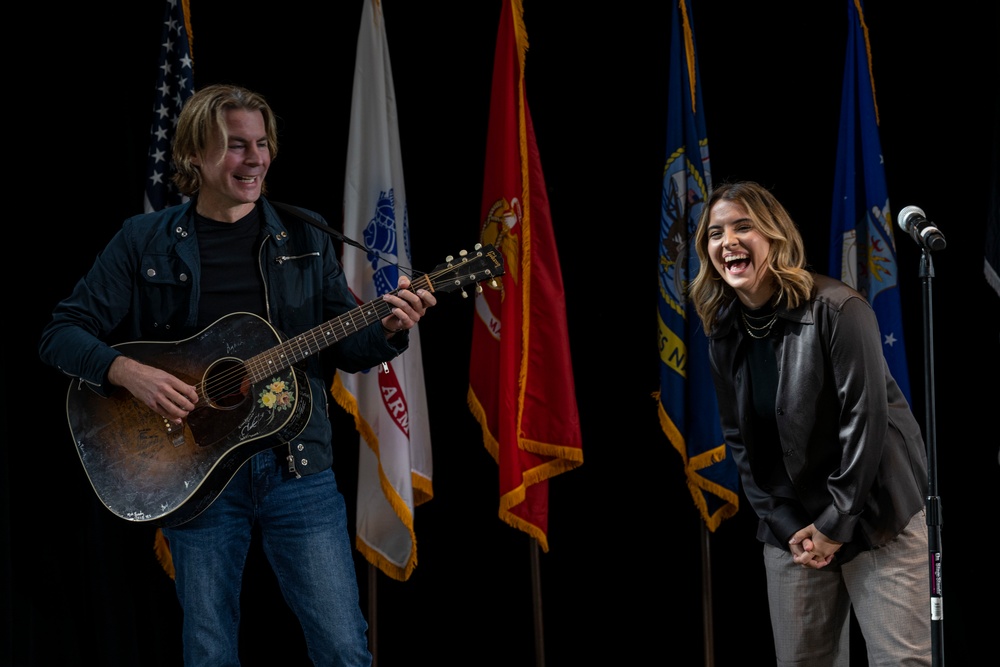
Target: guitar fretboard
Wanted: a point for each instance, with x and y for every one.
(317, 339)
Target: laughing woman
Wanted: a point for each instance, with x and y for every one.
(830, 456)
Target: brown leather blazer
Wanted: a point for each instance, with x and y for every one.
(851, 446)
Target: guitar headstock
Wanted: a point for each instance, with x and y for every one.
(469, 268)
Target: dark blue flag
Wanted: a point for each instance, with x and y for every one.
(174, 85)
(688, 410)
(862, 248)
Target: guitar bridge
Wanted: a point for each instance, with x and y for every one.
(175, 431)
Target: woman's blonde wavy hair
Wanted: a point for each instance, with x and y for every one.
(786, 258)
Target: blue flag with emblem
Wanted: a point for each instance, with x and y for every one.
(862, 247)
(688, 410)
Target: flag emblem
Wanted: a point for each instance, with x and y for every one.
(502, 230)
(684, 193)
(380, 237)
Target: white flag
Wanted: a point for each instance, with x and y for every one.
(389, 403)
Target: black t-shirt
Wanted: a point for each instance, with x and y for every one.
(230, 277)
(769, 468)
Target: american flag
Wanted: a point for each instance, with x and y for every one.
(174, 85)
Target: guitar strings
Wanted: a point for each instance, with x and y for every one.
(280, 357)
(230, 382)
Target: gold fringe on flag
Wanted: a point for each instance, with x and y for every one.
(162, 549)
(868, 50)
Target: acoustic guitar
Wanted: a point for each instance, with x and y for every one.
(251, 397)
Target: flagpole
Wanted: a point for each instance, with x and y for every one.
(536, 597)
(373, 613)
(706, 595)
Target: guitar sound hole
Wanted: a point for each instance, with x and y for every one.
(227, 383)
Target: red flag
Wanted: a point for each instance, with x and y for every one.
(521, 386)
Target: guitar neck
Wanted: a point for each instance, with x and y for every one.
(317, 339)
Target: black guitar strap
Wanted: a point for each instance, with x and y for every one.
(298, 213)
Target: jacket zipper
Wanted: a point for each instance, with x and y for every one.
(281, 259)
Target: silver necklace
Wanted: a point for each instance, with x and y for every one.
(764, 328)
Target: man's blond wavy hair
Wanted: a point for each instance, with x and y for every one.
(203, 113)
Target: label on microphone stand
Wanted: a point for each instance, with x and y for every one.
(937, 609)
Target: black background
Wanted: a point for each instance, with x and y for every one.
(622, 580)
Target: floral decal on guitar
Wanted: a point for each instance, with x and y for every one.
(276, 396)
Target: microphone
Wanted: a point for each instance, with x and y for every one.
(913, 221)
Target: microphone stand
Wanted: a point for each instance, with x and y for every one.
(933, 502)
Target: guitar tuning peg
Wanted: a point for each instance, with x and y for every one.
(494, 283)
(479, 288)
(479, 246)
(449, 258)
(462, 253)
(465, 295)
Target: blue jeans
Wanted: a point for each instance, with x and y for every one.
(303, 526)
